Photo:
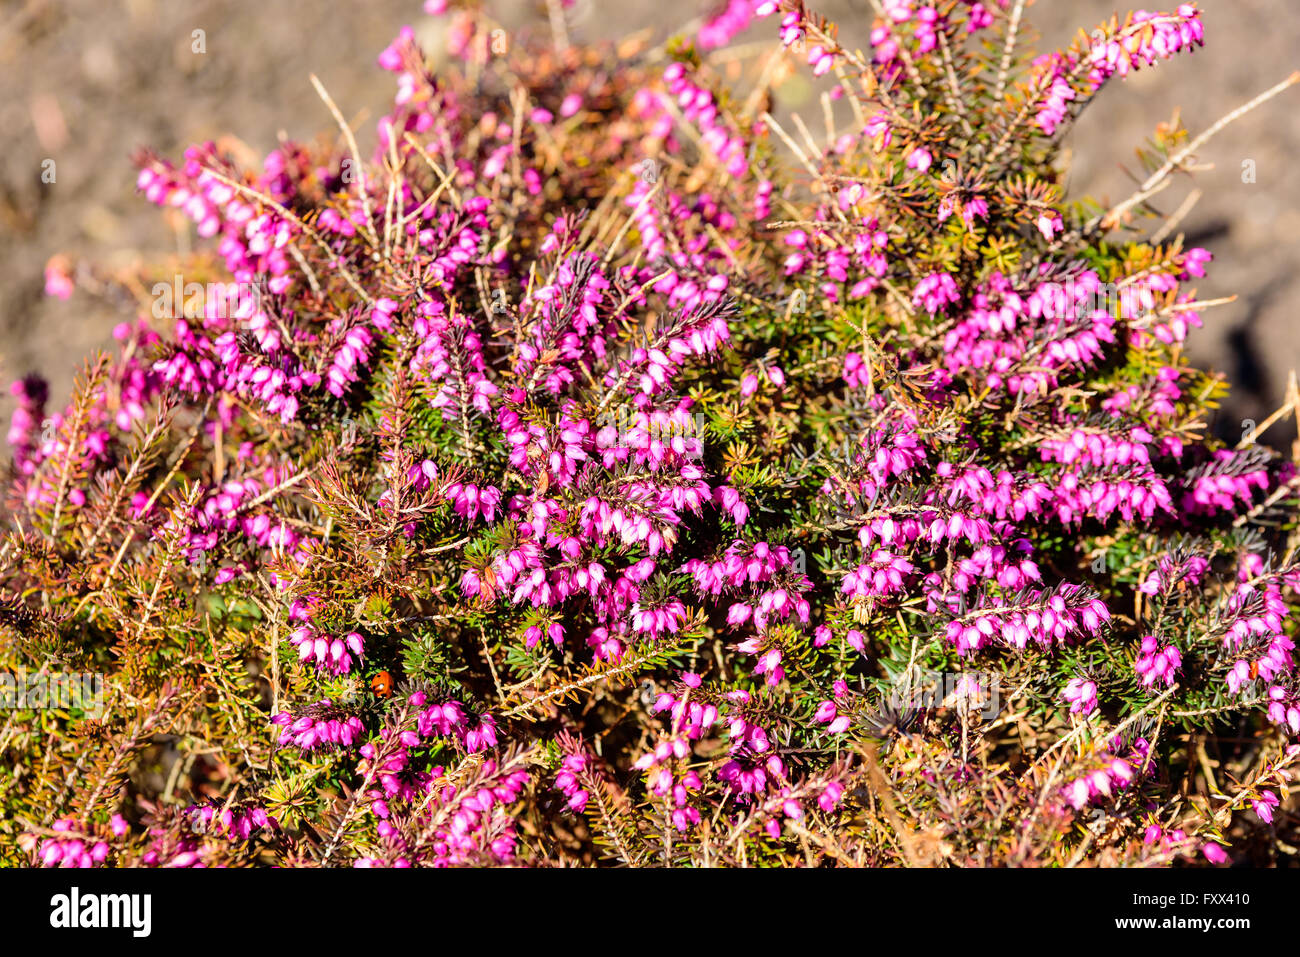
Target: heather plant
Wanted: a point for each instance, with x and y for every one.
(606, 470)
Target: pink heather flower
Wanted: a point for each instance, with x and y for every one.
(1049, 224)
(731, 501)
(567, 781)
(1157, 664)
(974, 208)
(352, 354)
(1120, 765)
(879, 130)
(481, 737)
(441, 719)
(1264, 806)
(769, 662)
(792, 30)
(57, 281)
(322, 726)
(391, 59)
(883, 573)
(1282, 709)
(1082, 695)
(936, 292)
(1195, 260)
(1043, 616)
(919, 159)
(979, 18)
(719, 31)
(827, 714)
(234, 823)
(381, 314)
(830, 796)
(900, 11)
(570, 105)
(820, 60)
(1170, 573)
(472, 502)
(74, 851)
(332, 654)
(856, 373)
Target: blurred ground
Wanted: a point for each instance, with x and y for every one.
(86, 82)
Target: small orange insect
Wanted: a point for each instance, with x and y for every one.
(382, 684)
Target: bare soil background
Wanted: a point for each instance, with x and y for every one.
(85, 83)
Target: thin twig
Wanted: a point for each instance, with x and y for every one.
(356, 156)
(1008, 49)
